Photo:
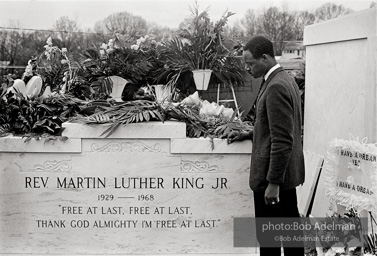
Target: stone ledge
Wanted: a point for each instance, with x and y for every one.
(18, 144)
(193, 254)
(203, 146)
(147, 130)
(358, 25)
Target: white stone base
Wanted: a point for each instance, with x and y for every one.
(178, 181)
(211, 254)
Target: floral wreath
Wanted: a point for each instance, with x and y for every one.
(348, 200)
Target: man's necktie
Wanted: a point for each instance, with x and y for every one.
(253, 108)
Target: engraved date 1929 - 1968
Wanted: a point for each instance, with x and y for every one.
(111, 197)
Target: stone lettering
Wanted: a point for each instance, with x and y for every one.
(36, 182)
(185, 183)
(81, 182)
(220, 183)
(51, 223)
(138, 182)
(139, 210)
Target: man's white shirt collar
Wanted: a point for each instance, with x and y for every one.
(271, 70)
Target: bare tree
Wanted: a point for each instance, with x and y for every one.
(158, 32)
(251, 23)
(124, 23)
(65, 26)
(13, 43)
(330, 11)
(302, 19)
(236, 30)
(277, 26)
(18, 46)
(69, 33)
(285, 25)
(3, 45)
(268, 22)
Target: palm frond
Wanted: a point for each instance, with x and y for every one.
(122, 114)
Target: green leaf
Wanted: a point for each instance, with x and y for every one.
(28, 139)
(63, 138)
(146, 115)
(152, 113)
(107, 86)
(132, 119)
(159, 116)
(109, 131)
(233, 116)
(47, 139)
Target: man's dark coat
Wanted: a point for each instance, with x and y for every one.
(277, 154)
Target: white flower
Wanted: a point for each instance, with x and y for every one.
(339, 250)
(103, 46)
(146, 37)
(186, 41)
(29, 69)
(64, 61)
(111, 43)
(330, 252)
(134, 47)
(351, 249)
(336, 249)
(102, 52)
(49, 41)
(64, 50)
(47, 55)
(140, 40)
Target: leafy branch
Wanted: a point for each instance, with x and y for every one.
(200, 46)
(122, 114)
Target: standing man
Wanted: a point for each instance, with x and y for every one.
(277, 163)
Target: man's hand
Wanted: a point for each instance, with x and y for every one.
(271, 195)
(236, 136)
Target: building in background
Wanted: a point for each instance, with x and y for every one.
(293, 49)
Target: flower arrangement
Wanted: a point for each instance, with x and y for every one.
(30, 70)
(149, 48)
(192, 111)
(36, 117)
(112, 59)
(200, 46)
(29, 107)
(51, 50)
(349, 241)
(145, 44)
(55, 67)
(79, 91)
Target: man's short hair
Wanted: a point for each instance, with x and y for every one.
(259, 45)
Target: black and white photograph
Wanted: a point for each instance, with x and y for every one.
(188, 127)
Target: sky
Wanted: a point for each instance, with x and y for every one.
(42, 14)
